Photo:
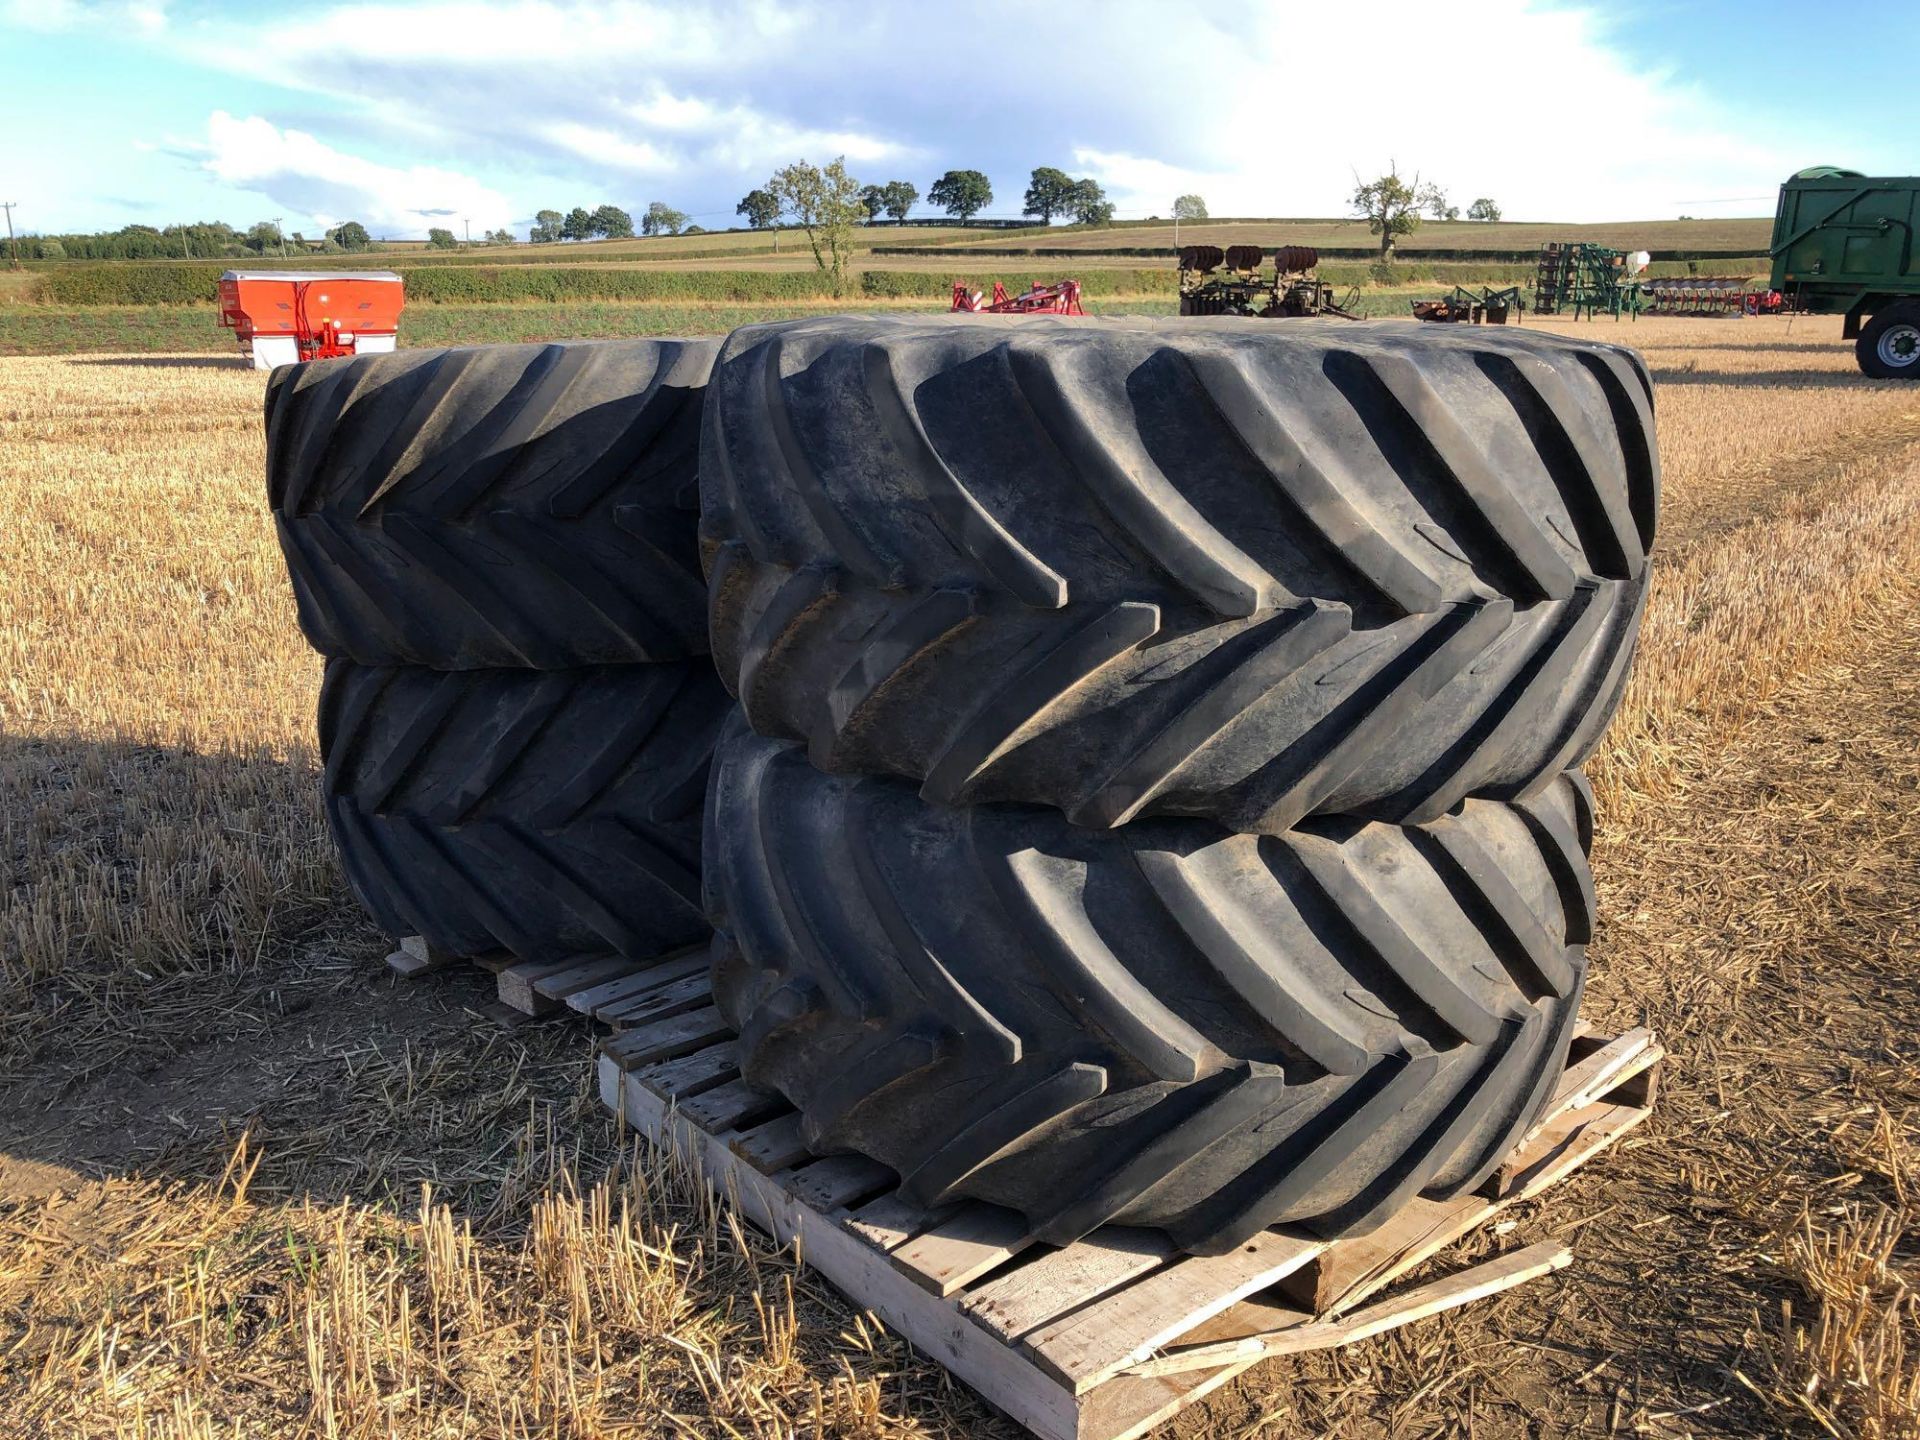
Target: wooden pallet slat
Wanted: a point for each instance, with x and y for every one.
(1107, 1337)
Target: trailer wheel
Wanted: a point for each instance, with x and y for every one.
(516, 505)
(543, 813)
(1889, 344)
(1167, 1025)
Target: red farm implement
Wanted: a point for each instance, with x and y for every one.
(1710, 295)
(282, 317)
(1060, 299)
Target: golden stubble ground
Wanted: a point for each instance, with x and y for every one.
(250, 1187)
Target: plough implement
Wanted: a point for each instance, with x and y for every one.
(1710, 295)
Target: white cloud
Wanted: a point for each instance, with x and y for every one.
(604, 147)
(1302, 131)
(148, 17)
(696, 101)
(300, 172)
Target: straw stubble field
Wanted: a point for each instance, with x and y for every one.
(249, 1186)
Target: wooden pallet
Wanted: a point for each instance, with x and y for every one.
(610, 988)
(1107, 1337)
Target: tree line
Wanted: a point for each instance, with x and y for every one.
(825, 202)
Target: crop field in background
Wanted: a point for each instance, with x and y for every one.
(251, 1186)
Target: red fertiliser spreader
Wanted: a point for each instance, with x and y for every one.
(285, 316)
(1060, 299)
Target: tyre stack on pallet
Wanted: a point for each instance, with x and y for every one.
(1154, 798)
(496, 551)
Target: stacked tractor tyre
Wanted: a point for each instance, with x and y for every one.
(496, 550)
(1141, 777)
(1154, 795)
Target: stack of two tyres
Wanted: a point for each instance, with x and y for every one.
(1154, 798)
(496, 550)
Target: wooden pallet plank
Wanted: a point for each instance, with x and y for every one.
(1130, 1323)
(1570, 1142)
(667, 1039)
(1597, 1075)
(1351, 1269)
(676, 997)
(516, 982)
(840, 1180)
(1064, 1280)
(559, 984)
(773, 1145)
(730, 1105)
(975, 1240)
(618, 992)
(415, 957)
(1448, 1293)
(685, 1077)
(889, 1222)
(973, 1355)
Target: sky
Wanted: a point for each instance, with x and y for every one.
(480, 112)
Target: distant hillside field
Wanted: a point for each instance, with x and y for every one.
(1749, 236)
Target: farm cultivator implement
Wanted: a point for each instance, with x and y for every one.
(1575, 278)
(1060, 299)
(1293, 290)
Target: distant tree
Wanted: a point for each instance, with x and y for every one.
(1049, 193)
(661, 219)
(1436, 204)
(439, 239)
(1189, 207)
(50, 249)
(501, 236)
(873, 199)
(577, 226)
(900, 196)
(694, 230)
(963, 194)
(1088, 204)
(262, 236)
(349, 235)
(760, 208)
(612, 222)
(1391, 207)
(546, 228)
(826, 203)
(1483, 209)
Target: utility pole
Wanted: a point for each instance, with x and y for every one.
(13, 245)
(186, 250)
(283, 237)
(1176, 224)
(466, 224)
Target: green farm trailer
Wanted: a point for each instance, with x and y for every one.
(1843, 244)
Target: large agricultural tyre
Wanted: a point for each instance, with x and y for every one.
(1137, 567)
(506, 505)
(542, 813)
(1113, 712)
(1168, 1025)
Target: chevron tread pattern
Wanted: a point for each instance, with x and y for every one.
(542, 813)
(505, 505)
(1113, 712)
(1170, 1025)
(1231, 470)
